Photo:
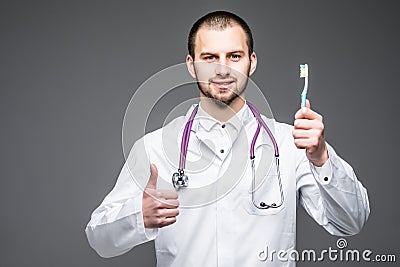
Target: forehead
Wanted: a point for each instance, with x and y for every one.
(232, 38)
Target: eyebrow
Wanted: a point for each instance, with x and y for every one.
(231, 52)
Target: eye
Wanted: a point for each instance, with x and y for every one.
(209, 58)
(235, 57)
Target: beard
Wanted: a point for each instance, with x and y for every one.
(222, 101)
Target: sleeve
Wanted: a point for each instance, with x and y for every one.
(117, 226)
(332, 194)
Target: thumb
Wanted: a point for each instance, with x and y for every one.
(152, 183)
(308, 104)
(301, 113)
(303, 110)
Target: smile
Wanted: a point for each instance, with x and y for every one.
(222, 85)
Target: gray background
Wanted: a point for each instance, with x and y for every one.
(69, 69)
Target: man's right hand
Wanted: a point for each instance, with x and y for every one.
(159, 207)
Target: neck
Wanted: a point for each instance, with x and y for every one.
(222, 112)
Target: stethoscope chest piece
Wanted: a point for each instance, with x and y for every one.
(179, 179)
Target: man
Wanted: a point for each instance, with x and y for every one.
(224, 227)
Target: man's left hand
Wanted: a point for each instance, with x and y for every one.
(308, 134)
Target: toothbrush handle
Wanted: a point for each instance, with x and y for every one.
(303, 100)
(304, 93)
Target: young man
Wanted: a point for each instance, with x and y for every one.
(216, 221)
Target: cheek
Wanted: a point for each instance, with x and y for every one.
(241, 69)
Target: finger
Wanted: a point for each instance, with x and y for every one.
(152, 183)
(168, 213)
(168, 221)
(163, 196)
(169, 204)
(307, 124)
(167, 194)
(305, 142)
(304, 124)
(307, 113)
(308, 104)
(299, 133)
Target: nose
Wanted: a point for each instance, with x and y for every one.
(222, 69)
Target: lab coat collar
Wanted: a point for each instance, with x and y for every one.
(208, 122)
(242, 118)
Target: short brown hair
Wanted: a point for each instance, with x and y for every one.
(219, 20)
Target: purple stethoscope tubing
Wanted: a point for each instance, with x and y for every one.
(261, 123)
(185, 139)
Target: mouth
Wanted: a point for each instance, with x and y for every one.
(223, 84)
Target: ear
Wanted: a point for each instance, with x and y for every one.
(253, 63)
(190, 66)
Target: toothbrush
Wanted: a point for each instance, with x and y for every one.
(304, 74)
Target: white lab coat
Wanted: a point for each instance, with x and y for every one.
(218, 224)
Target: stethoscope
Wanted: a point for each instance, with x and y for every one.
(180, 179)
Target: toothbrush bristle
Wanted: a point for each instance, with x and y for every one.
(303, 70)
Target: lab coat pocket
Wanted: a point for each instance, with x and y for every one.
(266, 198)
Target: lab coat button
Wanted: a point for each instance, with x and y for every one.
(223, 125)
(326, 179)
(222, 151)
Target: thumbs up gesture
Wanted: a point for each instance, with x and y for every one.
(159, 207)
(308, 134)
